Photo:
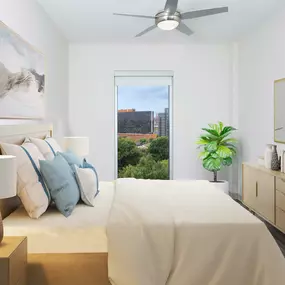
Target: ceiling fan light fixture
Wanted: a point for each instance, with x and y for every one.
(170, 18)
(168, 25)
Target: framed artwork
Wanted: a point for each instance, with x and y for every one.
(22, 78)
(279, 111)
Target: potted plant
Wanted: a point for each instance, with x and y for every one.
(218, 150)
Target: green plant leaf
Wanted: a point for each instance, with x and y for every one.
(234, 152)
(211, 146)
(202, 141)
(224, 151)
(212, 164)
(232, 147)
(221, 126)
(227, 161)
(203, 154)
(230, 140)
(226, 130)
(214, 127)
(225, 135)
(212, 132)
(214, 155)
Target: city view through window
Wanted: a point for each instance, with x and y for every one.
(143, 132)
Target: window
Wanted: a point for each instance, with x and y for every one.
(143, 126)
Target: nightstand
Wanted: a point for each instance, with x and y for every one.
(13, 261)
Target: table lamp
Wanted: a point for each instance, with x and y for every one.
(8, 181)
(78, 145)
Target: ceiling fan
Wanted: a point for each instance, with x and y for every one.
(170, 19)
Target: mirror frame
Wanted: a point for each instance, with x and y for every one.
(275, 82)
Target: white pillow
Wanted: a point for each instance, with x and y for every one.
(48, 147)
(31, 189)
(87, 182)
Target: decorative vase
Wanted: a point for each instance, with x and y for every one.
(268, 156)
(275, 159)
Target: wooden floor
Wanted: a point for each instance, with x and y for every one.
(278, 236)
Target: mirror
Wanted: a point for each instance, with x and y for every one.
(279, 111)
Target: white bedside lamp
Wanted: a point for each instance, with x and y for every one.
(8, 181)
(78, 145)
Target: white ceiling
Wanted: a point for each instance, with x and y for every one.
(93, 20)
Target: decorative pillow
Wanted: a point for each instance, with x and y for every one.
(87, 182)
(61, 183)
(30, 185)
(48, 147)
(71, 158)
(85, 164)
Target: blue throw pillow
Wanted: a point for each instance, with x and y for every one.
(61, 183)
(85, 164)
(71, 158)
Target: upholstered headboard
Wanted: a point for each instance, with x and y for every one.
(16, 134)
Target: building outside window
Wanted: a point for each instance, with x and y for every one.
(143, 129)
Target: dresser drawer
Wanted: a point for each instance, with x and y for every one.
(280, 200)
(280, 219)
(280, 184)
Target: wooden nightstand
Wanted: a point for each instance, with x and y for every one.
(13, 261)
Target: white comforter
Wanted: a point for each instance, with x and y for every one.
(187, 233)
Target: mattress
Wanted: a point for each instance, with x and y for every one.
(82, 232)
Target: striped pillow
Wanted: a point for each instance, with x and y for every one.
(48, 147)
(87, 182)
(31, 188)
(90, 166)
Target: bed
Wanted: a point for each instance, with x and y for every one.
(60, 251)
(187, 233)
(145, 233)
(59, 246)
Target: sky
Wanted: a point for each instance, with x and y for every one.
(143, 98)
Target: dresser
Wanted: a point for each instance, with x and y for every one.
(13, 261)
(263, 192)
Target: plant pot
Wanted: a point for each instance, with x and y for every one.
(222, 186)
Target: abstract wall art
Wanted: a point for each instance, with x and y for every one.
(22, 78)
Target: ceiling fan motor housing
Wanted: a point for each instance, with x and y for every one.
(166, 16)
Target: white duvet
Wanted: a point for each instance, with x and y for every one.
(187, 233)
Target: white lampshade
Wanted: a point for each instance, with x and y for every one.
(78, 145)
(8, 176)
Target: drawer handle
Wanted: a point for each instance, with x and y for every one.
(256, 189)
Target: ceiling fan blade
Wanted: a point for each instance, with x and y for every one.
(135, 16)
(146, 31)
(171, 6)
(184, 29)
(203, 13)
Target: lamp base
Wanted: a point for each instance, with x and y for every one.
(1, 229)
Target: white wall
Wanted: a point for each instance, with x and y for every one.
(261, 61)
(28, 19)
(202, 94)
